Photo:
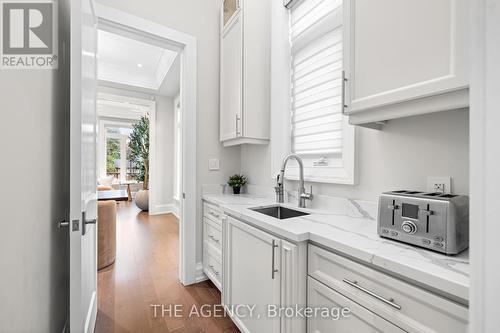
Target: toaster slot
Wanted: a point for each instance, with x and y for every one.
(394, 205)
(427, 222)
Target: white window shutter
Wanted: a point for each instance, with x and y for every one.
(316, 77)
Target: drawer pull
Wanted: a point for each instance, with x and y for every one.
(380, 298)
(214, 239)
(213, 270)
(214, 214)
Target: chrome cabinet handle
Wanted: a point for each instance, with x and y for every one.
(214, 214)
(237, 129)
(214, 239)
(371, 293)
(344, 81)
(213, 269)
(273, 270)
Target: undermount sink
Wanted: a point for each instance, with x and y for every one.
(279, 212)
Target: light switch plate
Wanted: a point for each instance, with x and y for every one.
(213, 164)
(434, 182)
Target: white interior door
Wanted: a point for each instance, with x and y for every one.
(83, 195)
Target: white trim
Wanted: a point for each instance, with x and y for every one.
(91, 315)
(484, 161)
(187, 46)
(454, 100)
(177, 172)
(175, 209)
(163, 209)
(242, 141)
(200, 275)
(153, 159)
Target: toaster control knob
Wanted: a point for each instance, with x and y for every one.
(409, 227)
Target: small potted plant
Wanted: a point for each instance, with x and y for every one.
(236, 182)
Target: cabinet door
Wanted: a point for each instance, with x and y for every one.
(231, 76)
(360, 320)
(398, 51)
(251, 275)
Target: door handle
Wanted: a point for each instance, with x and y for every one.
(85, 222)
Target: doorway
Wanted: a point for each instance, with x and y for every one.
(114, 21)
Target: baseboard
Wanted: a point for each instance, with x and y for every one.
(175, 211)
(162, 209)
(200, 276)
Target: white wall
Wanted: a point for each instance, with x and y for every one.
(34, 136)
(164, 182)
(400, 156)
(199, 18)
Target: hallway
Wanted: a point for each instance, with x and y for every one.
(146, 273)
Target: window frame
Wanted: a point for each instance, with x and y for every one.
(340, 170)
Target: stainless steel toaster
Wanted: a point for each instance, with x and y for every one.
(435, 221)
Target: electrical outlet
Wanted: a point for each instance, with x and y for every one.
(439, 184)
(438, 188)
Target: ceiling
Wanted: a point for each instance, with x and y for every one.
(128, 63)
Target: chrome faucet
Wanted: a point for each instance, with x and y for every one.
(301, 193)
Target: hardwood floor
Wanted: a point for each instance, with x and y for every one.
(145, 274)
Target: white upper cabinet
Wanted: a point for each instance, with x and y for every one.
(231, 72)
(245, 72)
(404, 58)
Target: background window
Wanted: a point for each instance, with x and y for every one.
(118, 161)
(316, 77)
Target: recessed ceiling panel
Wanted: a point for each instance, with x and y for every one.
(128, 61)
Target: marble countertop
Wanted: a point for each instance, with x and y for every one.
(350, 227)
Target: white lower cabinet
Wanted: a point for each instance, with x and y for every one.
(373, 295)
(358, 320)
(264, 278)
(212, 243)
(260, 274)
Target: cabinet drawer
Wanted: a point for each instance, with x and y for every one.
(213, 213)
(212, 233)
(409, 307)
(358, 320)
(212, 266)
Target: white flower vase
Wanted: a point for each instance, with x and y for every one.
(142, 200)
